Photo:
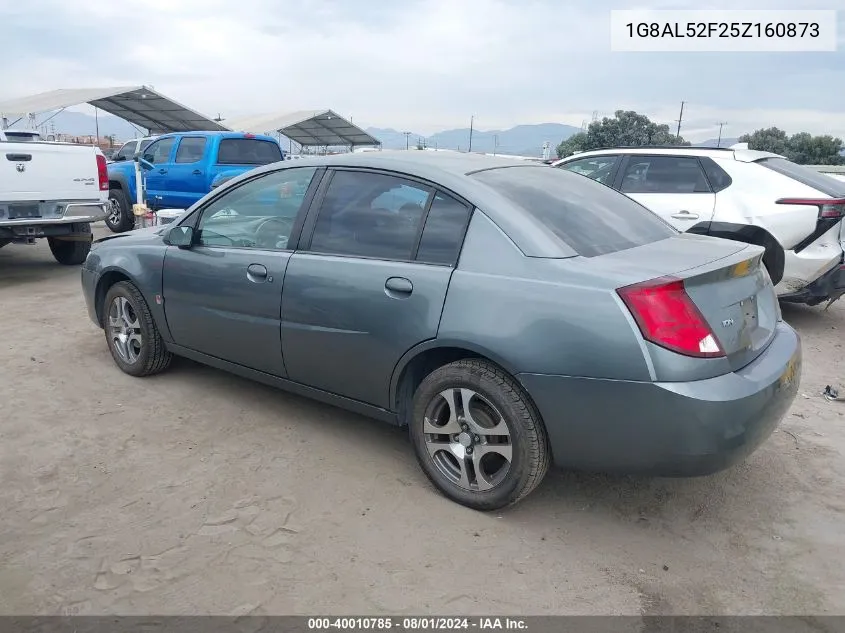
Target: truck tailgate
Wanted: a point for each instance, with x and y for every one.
(48, 171)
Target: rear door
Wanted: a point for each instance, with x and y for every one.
(222, 296)
(187, 180)
(673, 187)
(368, 281)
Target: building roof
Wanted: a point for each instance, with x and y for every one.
(140, 105)
(307, 127)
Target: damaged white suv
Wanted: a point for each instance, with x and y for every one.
(793, 211)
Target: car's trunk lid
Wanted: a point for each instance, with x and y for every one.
(726, 280)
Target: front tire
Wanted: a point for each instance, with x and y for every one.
(120, 218)
(72, 252)
(477, 436)
(131, 333)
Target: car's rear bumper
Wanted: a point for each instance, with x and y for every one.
(668, 429)
(828, 287)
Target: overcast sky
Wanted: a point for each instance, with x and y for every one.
(420, 65)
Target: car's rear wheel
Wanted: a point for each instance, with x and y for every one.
(477, 436)
(72, 250)
(131, 333)
(120, 218)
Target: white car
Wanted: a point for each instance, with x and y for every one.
(130, 148)
(791, 210)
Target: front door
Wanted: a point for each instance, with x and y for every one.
(187, 174)
(222, 296)
(156, 177)
(674, 187)
(357, 295)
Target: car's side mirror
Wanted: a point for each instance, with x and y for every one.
(146, 161)
(181, 236)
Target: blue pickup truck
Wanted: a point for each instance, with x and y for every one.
(179, 169)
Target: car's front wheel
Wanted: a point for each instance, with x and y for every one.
(131, 333)
(477, 436)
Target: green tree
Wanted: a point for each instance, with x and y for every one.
(625, 128)
(767, 140)
(802, 148)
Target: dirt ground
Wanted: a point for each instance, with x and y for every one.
(196, 492)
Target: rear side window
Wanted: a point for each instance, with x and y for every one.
(718, 177)
(663, 174)
(590, 218)
(248, 151)
(599, 168)
(810, 177)
(444, 231)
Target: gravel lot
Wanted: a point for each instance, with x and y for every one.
(199, 492)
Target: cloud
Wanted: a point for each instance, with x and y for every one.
(423, 65)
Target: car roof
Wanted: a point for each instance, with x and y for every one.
(744, 155)
(449, 171)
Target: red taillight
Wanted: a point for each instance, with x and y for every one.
(829, 209)
(668, 317)
(102, 172)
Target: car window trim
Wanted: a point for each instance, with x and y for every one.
(617, 184)
(193, 219)
(310, 223)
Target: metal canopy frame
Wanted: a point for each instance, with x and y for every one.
(139, 105)
(308, 128)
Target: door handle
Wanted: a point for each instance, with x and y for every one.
(162, 171)
(685, 215)
(197, 172)
(399, 286)
(256, 273)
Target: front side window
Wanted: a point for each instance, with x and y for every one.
(369, 215)
(191, 149)
(598, 168)
(257, 214)
(127, 151)
(159, 152)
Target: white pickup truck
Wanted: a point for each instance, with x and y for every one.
(51, 190)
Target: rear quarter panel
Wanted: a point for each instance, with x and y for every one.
(534, 315)
(751, 200)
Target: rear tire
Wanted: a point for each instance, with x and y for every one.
(120, 218)
(72, 252)
(131, 333)
(470, 418)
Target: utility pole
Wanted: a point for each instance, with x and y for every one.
(495, 143)
(680, 118)
(471, 121)
(407, 142)
(719, 142)
(97, 124)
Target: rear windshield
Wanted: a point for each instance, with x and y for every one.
(589, 217)
(810, 177)
(248, 151)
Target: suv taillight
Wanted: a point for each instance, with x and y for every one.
(829, 208)
(668, 317)
(102, 172)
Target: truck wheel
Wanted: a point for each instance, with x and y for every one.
(120, 218)
(72, 252)
(131, 333)
(477, 435)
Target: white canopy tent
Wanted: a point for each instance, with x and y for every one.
(323, 128)
(139, 105)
